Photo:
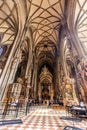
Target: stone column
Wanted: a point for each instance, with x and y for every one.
(29, 63)
(14, 66)
(34, 80)
(16, 90)
(28, 74)
(71, 28)
(6, 72)
(74, 92)
(28, 85)
(51, 92)
(39, 92)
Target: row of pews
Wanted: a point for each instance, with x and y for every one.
(77, 111)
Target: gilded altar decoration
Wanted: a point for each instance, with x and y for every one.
(19, 80)
(68, 92)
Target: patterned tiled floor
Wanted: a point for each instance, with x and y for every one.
(46, 119)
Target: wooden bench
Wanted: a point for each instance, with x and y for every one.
(56, 106)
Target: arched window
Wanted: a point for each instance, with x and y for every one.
(1, 50)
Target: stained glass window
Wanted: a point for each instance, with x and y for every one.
(1, 50)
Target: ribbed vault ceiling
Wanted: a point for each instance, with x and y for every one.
(8, 22)
(45, 18)
(81, 22)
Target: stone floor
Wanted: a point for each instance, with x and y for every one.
(46, 119)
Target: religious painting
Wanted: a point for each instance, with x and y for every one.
(69, 92)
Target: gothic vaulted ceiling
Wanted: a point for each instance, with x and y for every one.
(8, 22)
(80, 22)
(44, 17)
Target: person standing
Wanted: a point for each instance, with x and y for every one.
(82, 104)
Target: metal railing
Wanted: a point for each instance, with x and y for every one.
(9, 110)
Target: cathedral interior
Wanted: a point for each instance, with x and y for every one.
(43, 51)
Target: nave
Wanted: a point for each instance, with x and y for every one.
(43, 59)
(44, 118)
